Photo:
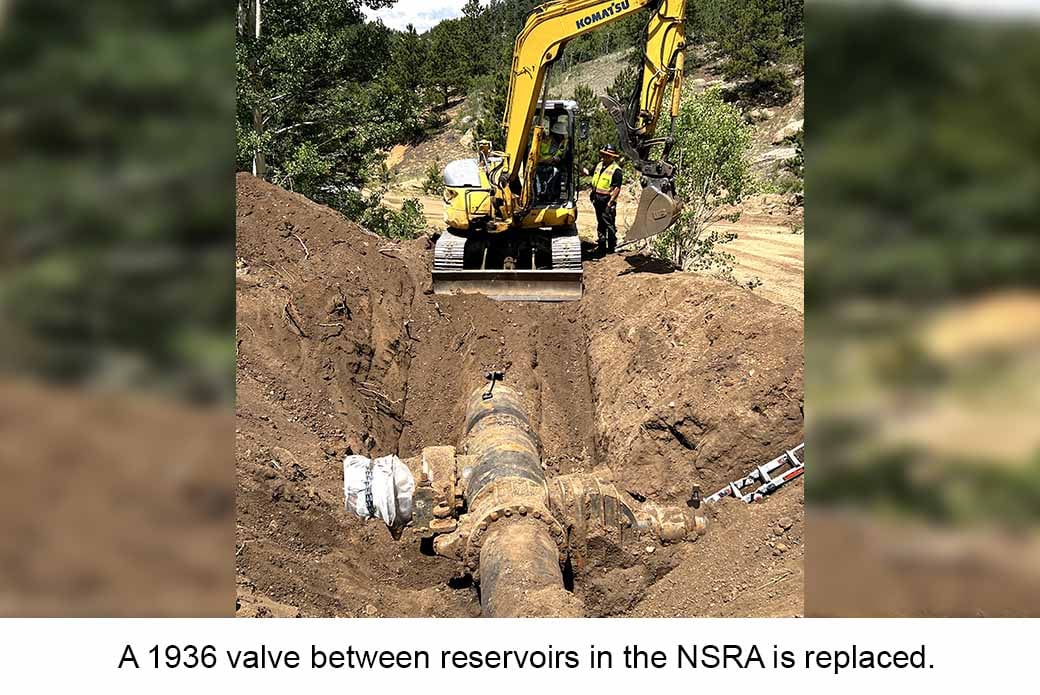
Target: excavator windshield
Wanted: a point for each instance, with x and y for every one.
(554, 177)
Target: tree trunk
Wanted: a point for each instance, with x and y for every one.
(253, 26)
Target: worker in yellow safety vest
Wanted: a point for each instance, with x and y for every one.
(606, 187)
(554, 148)
(551, 154)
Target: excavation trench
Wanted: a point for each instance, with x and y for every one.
(667, 379)
(539, 348)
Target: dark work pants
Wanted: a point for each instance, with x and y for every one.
(606, 222)
(548, 183)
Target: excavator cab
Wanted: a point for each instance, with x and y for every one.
(554, 172)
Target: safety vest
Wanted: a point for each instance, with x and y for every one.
(603, 177)
(550, 149)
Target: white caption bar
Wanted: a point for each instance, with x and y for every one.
(777, 655)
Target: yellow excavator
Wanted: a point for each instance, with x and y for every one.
(511, 214)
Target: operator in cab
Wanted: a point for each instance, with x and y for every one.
(606, 187)
(551, 155)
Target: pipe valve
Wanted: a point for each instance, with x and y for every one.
(488, 505)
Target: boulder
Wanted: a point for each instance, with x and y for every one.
(778, 154)
(759, 115)
(789, 131)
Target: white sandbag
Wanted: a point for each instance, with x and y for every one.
(379, 489)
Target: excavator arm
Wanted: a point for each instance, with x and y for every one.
(662, 65)
(548, 29)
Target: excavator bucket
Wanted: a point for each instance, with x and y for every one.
(656, 213)
(657, 205)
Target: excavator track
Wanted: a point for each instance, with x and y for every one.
(561, 283)
(448, 253)
(566, 252)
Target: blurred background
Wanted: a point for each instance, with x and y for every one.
(117, 150)
(922, 308)
(116, 307)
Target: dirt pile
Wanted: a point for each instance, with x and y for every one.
(693, 379)
(669, 379)
(750, 564)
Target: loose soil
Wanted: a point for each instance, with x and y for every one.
(670, 379)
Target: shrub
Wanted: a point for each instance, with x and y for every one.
(370, 212)
(713, 143)
(796, 166)
(434, 179)
(754, 38)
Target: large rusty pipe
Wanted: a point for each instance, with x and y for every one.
(520, 572)
(498, 435)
